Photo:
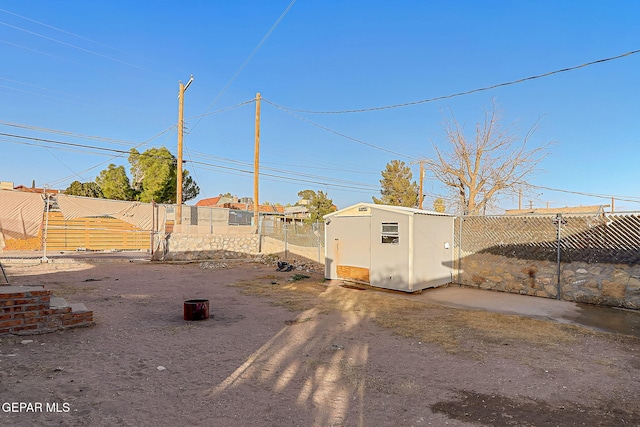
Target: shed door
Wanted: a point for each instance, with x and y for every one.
(351, 248)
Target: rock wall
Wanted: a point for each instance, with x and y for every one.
(616, 285)
(191, 247)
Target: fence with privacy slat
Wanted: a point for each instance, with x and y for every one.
(582, 257)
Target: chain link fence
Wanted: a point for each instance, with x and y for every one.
(600, 238)
(294, 236)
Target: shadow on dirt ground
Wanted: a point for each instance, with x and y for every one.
(287, 349)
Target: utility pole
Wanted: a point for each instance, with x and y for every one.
(520, 199)
(182, 89)
(612, 204)
(421, 195)
(256, 166)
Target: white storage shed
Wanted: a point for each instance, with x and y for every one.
(390, 247)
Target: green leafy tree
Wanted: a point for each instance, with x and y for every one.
(319, 204)
(190, 189)
(153, 172)
(154, 176)
(438, 205)
(85, 189)
(306, 195)
(115, 184)
(398, 189)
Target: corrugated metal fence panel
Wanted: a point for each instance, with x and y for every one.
(605, 238)
(100, 233)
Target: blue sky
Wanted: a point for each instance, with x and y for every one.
(105, 74)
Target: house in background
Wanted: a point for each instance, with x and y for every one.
(593, 209)
(242, 204)
(389, 247)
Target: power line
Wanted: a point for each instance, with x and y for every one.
(82, 136)
(102, 151)
(359, 141)
(241, 104)
(468, 92)
(247, 163)
(72, 46)
(328, 184)
(59, 29)
(632, 199)
(43, 88)
(42, 53)
(246, 61)
(288, 172)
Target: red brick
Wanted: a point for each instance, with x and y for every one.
(6, 316)
(24, 301)
(25, 314)
(25, 328)
(46, 298)
(10, 323)
(4, 331)
(72, 322)
(6, 302)
(40, 293)
(66, 316)
(34, 320)
(12, 295)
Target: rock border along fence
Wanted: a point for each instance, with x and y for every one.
(599, 256)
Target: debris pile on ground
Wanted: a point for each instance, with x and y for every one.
(298, 264)
(212, 265)
(284, 266)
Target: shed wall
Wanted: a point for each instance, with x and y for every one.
(347, 245)
(390, 262)
(433, 262)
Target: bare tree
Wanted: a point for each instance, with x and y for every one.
(497, 162)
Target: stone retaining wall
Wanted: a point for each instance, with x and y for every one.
(616, 285)
(191, 247)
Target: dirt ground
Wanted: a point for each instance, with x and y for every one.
(282, 349)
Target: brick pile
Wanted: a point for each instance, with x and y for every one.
(26, 310)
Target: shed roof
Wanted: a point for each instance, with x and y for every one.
(398, 209)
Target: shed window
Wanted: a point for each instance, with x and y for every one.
(390, 233)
